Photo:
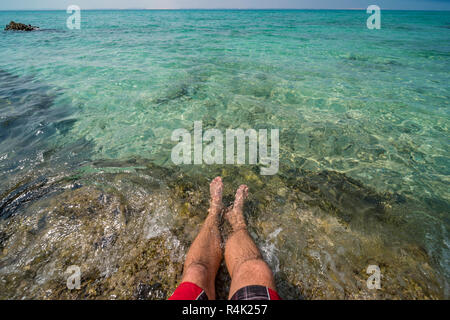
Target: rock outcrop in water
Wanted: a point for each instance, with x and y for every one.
(20, 27)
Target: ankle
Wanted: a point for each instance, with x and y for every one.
(213, 218)
(214, 211)
(239, 226)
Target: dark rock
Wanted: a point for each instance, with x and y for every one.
(149, 292)
(20, 27)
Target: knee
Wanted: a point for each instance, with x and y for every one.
(252, 272)
(195, 270)
(253, 269)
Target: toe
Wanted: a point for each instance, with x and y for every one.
(216, 182)
(242, 191)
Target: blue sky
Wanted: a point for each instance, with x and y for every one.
(175, 4)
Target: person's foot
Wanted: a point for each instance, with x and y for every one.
(235, 215)
(215, 189)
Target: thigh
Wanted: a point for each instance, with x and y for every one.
(252, 273)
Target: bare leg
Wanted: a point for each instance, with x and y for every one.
(243, 259)
(205, 254)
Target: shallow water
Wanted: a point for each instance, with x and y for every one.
(86, 176)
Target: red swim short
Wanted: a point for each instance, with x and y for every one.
(190, 291)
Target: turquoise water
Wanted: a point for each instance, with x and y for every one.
(367, 105)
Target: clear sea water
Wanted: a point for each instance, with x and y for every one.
(87, 115)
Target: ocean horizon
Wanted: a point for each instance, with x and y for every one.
(227, 9)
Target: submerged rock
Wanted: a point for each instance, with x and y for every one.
(129, 233)
(20, 27)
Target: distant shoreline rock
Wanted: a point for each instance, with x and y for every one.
(20, 27)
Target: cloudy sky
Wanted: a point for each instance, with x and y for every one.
(176, 4)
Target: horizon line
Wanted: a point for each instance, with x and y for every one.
(218, 9)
